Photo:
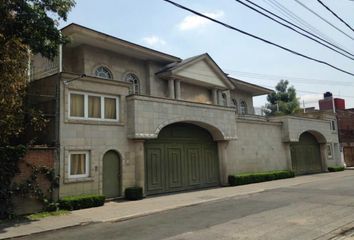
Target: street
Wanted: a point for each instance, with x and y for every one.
(316, 210)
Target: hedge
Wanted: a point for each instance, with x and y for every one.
(336, 169)
(134, 193)
(247, 178)
(81, 201)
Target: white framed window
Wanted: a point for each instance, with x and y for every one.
(329, 151)
(103, 72)
(134, 80)
(243, 107)
(89, 106)
(79, 165)
(234, 101)
(333, 125)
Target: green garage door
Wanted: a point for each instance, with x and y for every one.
(183, 157)
(305, 155)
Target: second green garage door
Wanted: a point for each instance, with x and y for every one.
(183, 157)
(305, 155)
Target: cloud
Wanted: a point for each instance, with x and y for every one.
(153, 40)
(192, 21)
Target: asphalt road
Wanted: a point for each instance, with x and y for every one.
(309, 211)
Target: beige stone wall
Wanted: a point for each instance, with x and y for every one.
(258, 148)
(95, 137)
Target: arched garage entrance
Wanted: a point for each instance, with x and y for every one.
(184, 156)
(306, 155)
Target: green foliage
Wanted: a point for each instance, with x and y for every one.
(283, 101)
(37, 216)
(336, 169)
(247, 178)
(134, 193)
(81, 201)
(34, 23)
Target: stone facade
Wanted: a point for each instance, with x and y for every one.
(170, 90)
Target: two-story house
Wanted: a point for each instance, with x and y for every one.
(124, 115)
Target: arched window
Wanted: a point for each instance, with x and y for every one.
(234, 101)
(243, 107)
(103, 72)
(134, 80)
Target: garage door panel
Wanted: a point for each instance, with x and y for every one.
(211, 166)
(193, 164)
(174, 158)
(154, 166)
(349, 156)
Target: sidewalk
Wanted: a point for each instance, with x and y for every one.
(120, 211)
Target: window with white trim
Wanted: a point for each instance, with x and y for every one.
(329, 151)
(78, 165)
(103, 72)
(243, 107)
(89, 106)
(134, 80)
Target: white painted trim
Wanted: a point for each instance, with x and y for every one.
(87, 163)
(60, 58)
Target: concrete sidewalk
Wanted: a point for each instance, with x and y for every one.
(120, 211)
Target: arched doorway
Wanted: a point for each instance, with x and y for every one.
(184, 156)
(306, 155)
(111, 174)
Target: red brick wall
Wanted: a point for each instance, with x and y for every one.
(346, 126)
(37, 157)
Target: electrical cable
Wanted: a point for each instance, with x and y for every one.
(258, 38)
(336, 15)
(291, 28)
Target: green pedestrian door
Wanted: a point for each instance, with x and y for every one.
(111, 175)
(305, 155)
(183, 157)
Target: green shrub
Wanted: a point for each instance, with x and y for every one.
(247, 178)
(134, 193)
(335, 169)
(81, 201)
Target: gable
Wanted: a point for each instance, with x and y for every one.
(201, 72)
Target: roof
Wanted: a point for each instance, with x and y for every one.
(254, 89)
(83, 35)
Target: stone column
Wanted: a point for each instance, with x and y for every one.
(171, 88)
(178, 89)
(222, 151)
(220, 100)
(139, 164)
(214, 94)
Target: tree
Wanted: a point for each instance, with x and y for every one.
(26, 26)
(283, 101)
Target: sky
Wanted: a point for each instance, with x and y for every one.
(159, 25)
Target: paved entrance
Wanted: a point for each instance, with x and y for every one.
(183, 157)
(305, 155)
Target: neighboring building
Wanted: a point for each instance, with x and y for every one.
(124, 115)
(345, 121)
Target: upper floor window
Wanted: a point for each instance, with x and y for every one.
(333, 125)
(234, 101)
(134, 80)
(103, 72)
(89, 106)
(224, 99)
(243, 107)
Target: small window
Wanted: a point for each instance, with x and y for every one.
(234, 101)
(333, 125)
(243, 107)
(78, 165)
(134, 80)
(77, 105)
(103, 72)
(329, 151)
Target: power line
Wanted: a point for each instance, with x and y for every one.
(288, 13)
(258, 38)
(336, 15)
(291, 28)
(323, 19)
